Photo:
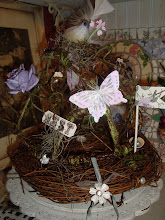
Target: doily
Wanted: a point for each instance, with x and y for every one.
(136, 202)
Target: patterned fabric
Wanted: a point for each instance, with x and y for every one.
(13, 214)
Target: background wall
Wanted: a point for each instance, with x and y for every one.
(137, 13)
(128, 13)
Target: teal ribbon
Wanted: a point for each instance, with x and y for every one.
(96, 169)
(89, 213)
(115, 206)
(99, 179)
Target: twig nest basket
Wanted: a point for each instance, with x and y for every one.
(69, 178)
(65, 172)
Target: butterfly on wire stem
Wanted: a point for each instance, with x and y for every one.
(97, 100)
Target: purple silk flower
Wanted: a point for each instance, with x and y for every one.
(21, 80)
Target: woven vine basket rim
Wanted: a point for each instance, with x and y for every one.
(65, 184)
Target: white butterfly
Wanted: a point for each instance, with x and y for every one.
(97, 100)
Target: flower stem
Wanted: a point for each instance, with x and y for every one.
(93, 33)
(35, 106)
(112, 127)
(23, 112)
(56, 149)
(101, 50)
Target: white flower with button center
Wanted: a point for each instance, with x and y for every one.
(100, 193)
(44, 160)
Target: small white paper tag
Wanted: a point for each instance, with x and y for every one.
(60, 124)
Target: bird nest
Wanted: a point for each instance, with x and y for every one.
(69, 178)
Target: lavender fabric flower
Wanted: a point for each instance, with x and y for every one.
(21, 80)
(72, 79)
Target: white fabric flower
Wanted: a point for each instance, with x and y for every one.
(99, 193)
(44, 159)
(58, 74)
(119, 60)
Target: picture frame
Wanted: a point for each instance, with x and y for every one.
(18, 15)
(21, 19)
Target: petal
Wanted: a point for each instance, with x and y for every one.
(72, 80)
(104, 28)
(32, 82)
(104, 187)
(23, 77)
(95, 199)
(98, 186)
(70, 56)
(23, 87)
(12, 83)
(69, 79)
(31, 71)
(99, 33)
(102, 200)
(46, 160)
(13, 92)
(99, 22)
(92, 191)
(106, 195)
(15, 72)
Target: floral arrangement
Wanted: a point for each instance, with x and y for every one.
(73, 97)
(99, 26)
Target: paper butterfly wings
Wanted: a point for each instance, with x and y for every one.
(97, 100)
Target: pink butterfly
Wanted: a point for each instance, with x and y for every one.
(97, 100)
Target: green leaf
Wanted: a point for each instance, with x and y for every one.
(156, 117)
(125, 150)
(116, 150)
(146, 56)
(145, 63)
(127, 43)
(139, 53)
(142, 57)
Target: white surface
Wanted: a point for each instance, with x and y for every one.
(136, 202)
(136, 14)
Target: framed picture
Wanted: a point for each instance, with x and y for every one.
(22, 35)
(22, 41)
